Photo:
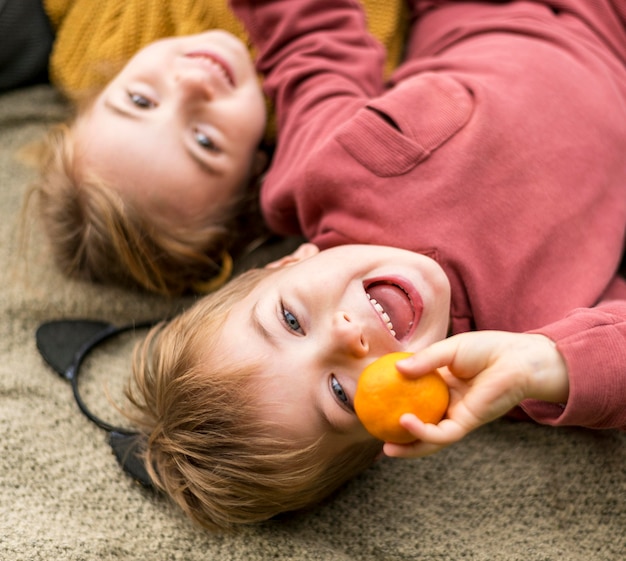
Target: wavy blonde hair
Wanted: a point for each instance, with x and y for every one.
(205, 445)
(97, 236)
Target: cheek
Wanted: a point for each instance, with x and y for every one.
(438, 291)
(253, 121)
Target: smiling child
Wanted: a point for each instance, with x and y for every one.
(246, 397)
(154, 184)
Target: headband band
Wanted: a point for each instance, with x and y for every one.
(64, 345)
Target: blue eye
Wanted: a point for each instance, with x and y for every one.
(206, 142)
(291, 321)
(140, 100)
(339, 392)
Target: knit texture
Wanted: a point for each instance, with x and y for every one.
(95, 39)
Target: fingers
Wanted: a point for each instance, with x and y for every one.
(413, 450)
(464, 354)
(430, 438)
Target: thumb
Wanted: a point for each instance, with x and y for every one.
(435, 356)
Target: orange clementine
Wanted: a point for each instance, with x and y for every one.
(383, 395)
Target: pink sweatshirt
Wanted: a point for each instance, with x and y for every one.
(499, 150)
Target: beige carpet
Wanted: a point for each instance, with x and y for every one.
(512, 491)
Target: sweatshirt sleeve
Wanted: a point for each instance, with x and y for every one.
(311, 51)
(593, 344)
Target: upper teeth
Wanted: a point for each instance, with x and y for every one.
(382, 314)
(218, 66)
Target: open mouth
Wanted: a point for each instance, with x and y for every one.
(218, 62)
(399, 305)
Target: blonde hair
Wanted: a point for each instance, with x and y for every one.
(97, 236)
(205, 444)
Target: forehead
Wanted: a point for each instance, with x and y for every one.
(147, 164)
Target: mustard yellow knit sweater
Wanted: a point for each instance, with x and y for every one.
(95, 39)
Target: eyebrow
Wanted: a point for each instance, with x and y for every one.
(328, 424)
(260, 328)
(201, 162)
(123, 112)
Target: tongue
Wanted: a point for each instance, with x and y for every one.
(397, 305)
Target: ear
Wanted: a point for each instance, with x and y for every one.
(303, 252)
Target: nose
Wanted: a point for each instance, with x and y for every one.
(193, 85)
(347, 335)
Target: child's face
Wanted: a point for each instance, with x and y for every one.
(177, 131)
(313, 325)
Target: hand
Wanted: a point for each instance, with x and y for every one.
(488, 373)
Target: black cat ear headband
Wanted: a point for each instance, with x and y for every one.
(64, 345)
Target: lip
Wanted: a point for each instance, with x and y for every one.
(216, 59)
(414, 299)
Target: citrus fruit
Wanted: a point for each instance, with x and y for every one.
(383, 395)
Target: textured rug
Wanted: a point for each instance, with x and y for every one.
(511, 491)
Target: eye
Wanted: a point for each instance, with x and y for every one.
(205, 141)
(340, 393)
(141, 101)
(291, 321)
